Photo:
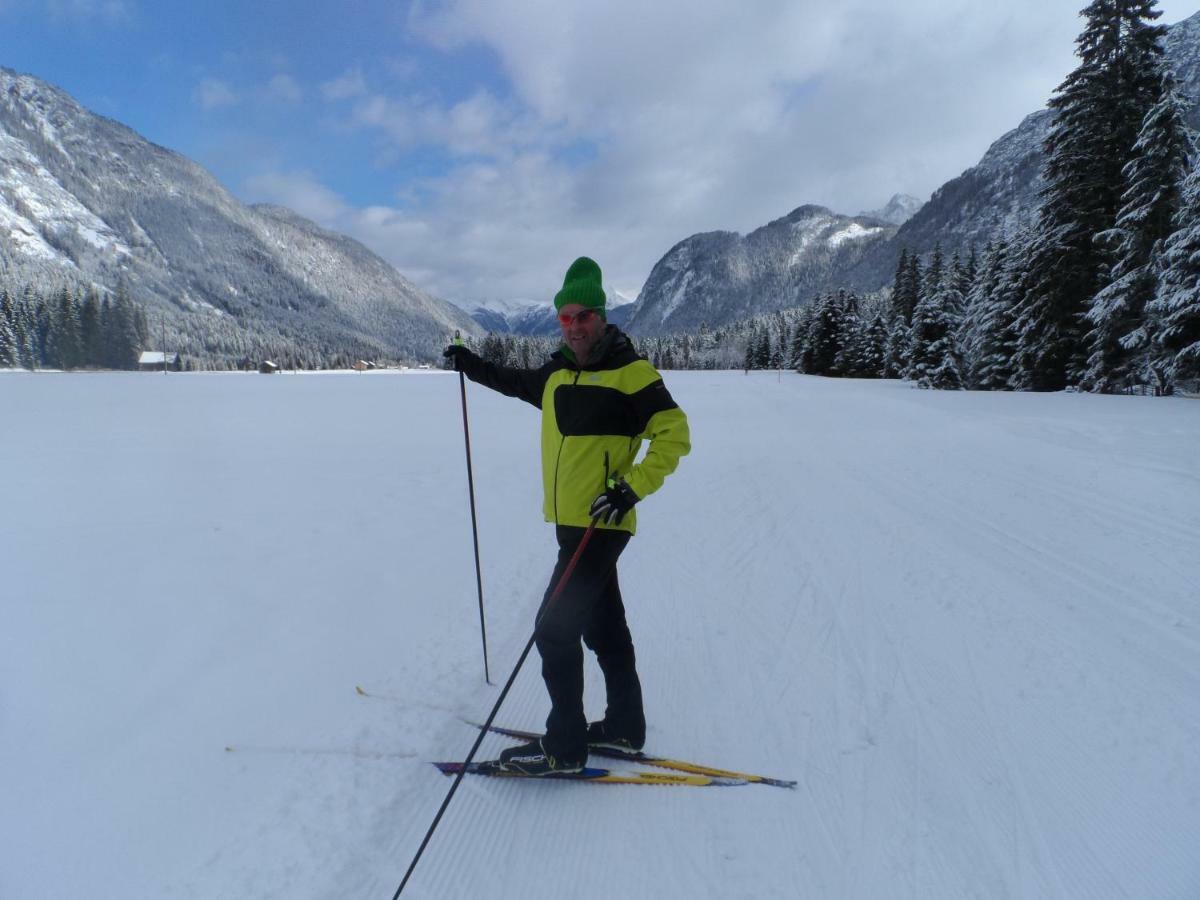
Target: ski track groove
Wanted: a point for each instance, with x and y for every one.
(954, 523)
(1062, 763)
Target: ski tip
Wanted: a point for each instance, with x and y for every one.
(358, 690)
(779, 782)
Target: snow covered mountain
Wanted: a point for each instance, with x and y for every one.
(899, 209)
(724, 276)
(1001, 192)
(721, 280)
(536, 317)
(85, 201)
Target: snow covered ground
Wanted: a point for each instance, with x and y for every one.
(968, 624)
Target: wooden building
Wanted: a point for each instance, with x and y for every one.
(158, 361)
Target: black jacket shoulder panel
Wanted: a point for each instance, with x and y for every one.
(524, 384)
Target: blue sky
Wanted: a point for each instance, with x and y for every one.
(481, 145)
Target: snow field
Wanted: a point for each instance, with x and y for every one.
(967, 623)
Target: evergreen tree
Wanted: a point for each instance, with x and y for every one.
(931, 282)
(988, 332)
(91, 349)
(873, 349)
(128, 333)
(23, 331)
(1119, 340)
(974, 305)
(1176, 306)
(847, 336)
(823, 337)
(9, 354)
(962, 273)
(935, 359)
(492, 349)
(903, 302)
(1100, 108)
(66, 349)
(897, 355)
(800, 341)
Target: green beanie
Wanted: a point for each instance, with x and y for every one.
(582, 286)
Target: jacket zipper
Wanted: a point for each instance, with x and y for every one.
(558, 458)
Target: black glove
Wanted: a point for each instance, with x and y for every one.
(460, 357)
(612, 505)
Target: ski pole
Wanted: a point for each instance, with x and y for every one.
(558, 588)
(462, 384)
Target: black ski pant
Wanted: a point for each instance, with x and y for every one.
(589, 608)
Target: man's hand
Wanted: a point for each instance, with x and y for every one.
(612, 505)
(460, 357)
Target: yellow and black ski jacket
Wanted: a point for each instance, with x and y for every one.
(594, 420)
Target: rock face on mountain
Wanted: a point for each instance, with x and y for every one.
(705, 278)
(722, 276)
(85, 201)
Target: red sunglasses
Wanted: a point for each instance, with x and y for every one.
(583, 317)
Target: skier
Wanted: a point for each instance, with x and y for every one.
(599, 400)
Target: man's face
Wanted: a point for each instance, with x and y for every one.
(581, 329)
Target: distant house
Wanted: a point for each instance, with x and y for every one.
(268, 368)
(363, 366)
(158, 360)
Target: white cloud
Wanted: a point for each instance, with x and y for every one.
(624, 127)
(212, 93)
(298, 191)
(350, 83)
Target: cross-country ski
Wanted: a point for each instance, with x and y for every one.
(649, 759)
(591, 774)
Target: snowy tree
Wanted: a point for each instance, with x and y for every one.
(848, 336)
(970, 331)
(934, 360)
(1176, 305)
(66, 346)
(90, 337)
(126, 333)
(897, 353)
(935, 271)
(824, 337)
(872, 354)
(906, 287)
(1119, 339)
(988, 336)
(963, 272)
(1100, 108)
(9, 353)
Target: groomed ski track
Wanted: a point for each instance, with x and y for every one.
(967, 623)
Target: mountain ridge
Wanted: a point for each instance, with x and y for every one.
(88, 202)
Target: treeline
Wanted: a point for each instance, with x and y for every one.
(75, 328)
(69, 331)
(1100, 292)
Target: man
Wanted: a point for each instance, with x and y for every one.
(599, 402)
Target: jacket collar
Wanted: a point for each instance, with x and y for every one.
(613, 350)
